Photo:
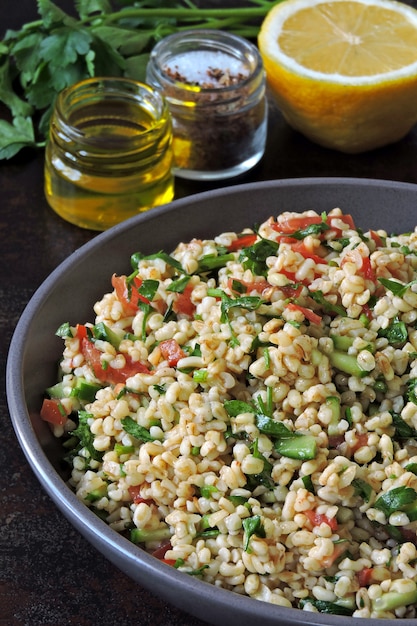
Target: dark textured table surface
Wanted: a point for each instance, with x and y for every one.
(49, 575)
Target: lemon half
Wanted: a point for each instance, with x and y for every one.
(343, 72)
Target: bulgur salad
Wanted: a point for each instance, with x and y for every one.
(245, 409)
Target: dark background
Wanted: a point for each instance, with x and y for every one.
(49, 575)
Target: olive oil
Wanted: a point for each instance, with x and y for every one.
(109, 155)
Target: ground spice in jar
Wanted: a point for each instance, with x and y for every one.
(214, 85)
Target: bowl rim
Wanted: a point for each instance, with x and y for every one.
(114, 546)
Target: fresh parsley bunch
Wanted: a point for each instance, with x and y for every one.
(100, 39)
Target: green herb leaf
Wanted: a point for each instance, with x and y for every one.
(129, 43)
(252, 526)
(14, 137)
(169, 260)
(250, 303)
(178, 286)
(258, 455)
(396, 333)
(88, 7)
(402, 429)
(362, 488)
(236, 407)
(17, 106)
(133, 428)
(64, 46)
(52, 14)
(148, 289)
(395, 500)
(311, 229)
(327, 306)
(323, 606)
(412, 390)
(411, 467)
(254, 257)
(397, 288)
(85, 437)
(199, 570)
(308, 483)
(269, 426)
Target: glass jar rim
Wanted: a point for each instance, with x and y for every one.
(205, 39)
(111, 88)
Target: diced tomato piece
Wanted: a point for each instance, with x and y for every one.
(244, 241)
(160, 552)
(365, 576)
(257, 285)
(81, 331)
(300, 247)
(110, 375)
(362, 263)
(292, 277)
(338, 550)
(346, 218)
(285, 239)
(292, 291)
(135, 494)
(308, 313)
(376, 238)
(171, 351)
(361, 441)
(128, 297)
(183, 303)
(289, 275)
(316, 519)
(367, 269)
(120, 287)
(287, 225)
(52, 411)
(335, 231)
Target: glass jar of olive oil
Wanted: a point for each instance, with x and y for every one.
(109, 154)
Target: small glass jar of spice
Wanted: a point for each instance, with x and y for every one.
(214, 84)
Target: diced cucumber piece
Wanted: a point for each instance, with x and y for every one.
(85, 390)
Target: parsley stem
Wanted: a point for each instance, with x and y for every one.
(189, 14)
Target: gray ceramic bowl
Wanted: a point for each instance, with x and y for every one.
(86, 274)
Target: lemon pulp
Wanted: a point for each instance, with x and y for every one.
(349, 38)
